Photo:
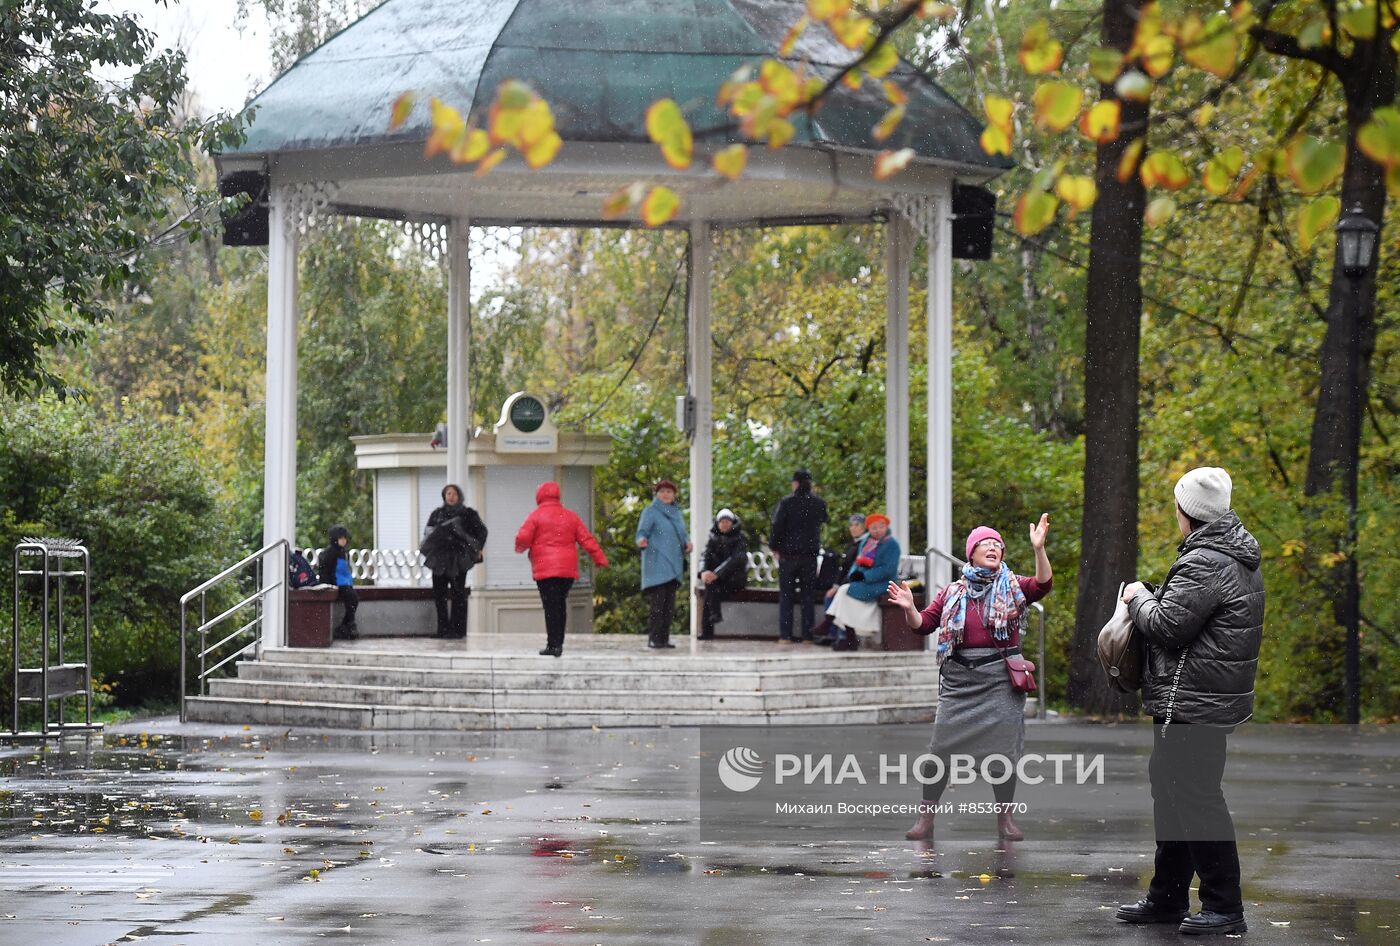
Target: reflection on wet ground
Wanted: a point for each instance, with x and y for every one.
(225, 835)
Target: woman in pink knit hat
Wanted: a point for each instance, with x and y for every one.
(979, 620)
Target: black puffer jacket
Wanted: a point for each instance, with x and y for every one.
(797, 524)
(453, 540)
(724, 555)
(1212, 602)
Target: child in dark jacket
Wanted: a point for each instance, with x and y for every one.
(334, 567)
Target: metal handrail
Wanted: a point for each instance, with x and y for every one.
(256, 599)
(929, 553)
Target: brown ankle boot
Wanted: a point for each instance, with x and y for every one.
(1006, 828)
(923, 827)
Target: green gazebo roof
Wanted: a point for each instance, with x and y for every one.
(600, 63)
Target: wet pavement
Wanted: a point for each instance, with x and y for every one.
(225, 835)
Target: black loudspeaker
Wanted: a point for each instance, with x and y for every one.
(246, 226)
(974, 213)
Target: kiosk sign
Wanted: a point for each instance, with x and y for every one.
(525, 426)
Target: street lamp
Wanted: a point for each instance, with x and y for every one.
(1356, 244)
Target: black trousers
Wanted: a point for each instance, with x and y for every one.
(1194, 830)
(713, 612)
(1003, 792)
(554, 595)
(450, 588)
(797, 578)
(351, 603)
(661, 609)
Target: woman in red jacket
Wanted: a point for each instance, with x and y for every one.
(552, 534)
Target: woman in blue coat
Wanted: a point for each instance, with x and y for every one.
(665, 542)
(855, 605)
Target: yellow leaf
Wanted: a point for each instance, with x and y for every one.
(1034, 212)
(1078, 191)
(668, 128)
(1220, 171)
(448, 128)
(1056, 105)
(620, 201)
(731, 161)
(472, 147)
(851, 29)
(881, 61)
(887, 124)
(890, 163)
(1159, 211)
(1040, 52)
(853, 79)
(998, 111)
(1313, 164)
(1105, 64)
(781, 82)
(894, 94)
(1158, 55)
(1379, 137)
(1164, 169)
(402, 108)
(543, 151)
(514, 94)
(1211, 46)
(794, 33)
(824, 10)
(536, 122)
(504, 123)
(780, 132)
(995, 141)
(932, 10)
(1316, 217)
(490, 161)
(1100, 123)
(1149, 27)
(1128, 160)
(660, 206)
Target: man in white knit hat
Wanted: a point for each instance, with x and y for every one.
(1202, 632)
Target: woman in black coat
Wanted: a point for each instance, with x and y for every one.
(725, 568)
(452, 543)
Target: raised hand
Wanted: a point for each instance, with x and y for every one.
(1038, 531)
(901, 595)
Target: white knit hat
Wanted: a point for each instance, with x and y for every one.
(1204, 493)
(726, 513)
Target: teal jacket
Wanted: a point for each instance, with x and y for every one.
(879, 575)
(663, 560)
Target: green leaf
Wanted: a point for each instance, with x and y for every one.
(1316, 217)
(1105, 64)
(1313, 164)
(1056, 105)
(1034, 212)
(1220, 171)
(1040, 52)
(1379, 137)
(1212, 46)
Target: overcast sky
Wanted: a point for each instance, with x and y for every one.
(226, 65)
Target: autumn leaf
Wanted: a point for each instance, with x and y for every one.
(660, 205)
(780, 132)
(1105, 64)
(890, 163)
(490, 161)
(730, 161)
(1164, 169)
(894, 93)
(448, 128)
(995, 141)
(1157, 57)
(620, 201)
(1316, 217)
(1220, 171)
(887, 124)
(881, 61)
(472, 147)
(402, 108)
(852, 30)
(1040, 52)
(1211, 46)
(1133, 86)
(1056, 105)
(1359, 22)
(668, 128)
(1159, 211)
(1379, 137)
(998, 111)
(1313, 164)
(543, 151)
(1078, 191)
(1128, 160)
(793, 34)
(1034, 212)
(1101, 122)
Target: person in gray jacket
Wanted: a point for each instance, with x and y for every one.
(1201, 633)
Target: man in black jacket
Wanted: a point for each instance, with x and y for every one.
(1202, 633)
(795, 540)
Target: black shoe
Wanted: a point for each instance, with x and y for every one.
(551, 652)
(667, 646)
(1145, 911)
(705, 637)
(823, 642)
(653, 645)
(1208, 923)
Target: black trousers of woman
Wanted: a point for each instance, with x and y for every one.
(454, 588)
(554, 595)
(661, 609)
(1003, 792)
(1195, 833)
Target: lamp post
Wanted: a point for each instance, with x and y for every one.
(1356, 242)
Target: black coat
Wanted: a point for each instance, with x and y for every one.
(332, 553)
(454, 540)
(797, 524)
(1212, 602)
(725, 556)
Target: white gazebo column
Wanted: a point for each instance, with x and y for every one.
(940, 377)
(459, 307)
(280, 435)
(700, 384)
(899, 241)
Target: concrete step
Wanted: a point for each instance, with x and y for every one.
(548, 673)
(350, 716)
(509, 700)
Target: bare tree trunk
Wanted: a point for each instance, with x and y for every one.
(1113, 310)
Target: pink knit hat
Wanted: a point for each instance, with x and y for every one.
(981, 534)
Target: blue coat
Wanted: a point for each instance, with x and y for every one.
(663, 560)
(879, 575)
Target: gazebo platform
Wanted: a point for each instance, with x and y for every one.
(500, 682)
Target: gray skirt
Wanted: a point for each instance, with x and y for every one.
(979, 713)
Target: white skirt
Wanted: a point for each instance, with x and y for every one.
(852, 613)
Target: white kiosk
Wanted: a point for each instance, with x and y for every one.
(504, 468)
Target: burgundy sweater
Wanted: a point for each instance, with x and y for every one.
(975, 633)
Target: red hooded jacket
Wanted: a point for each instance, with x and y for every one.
(551, 533)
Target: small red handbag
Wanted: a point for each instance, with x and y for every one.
(1021, 671)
